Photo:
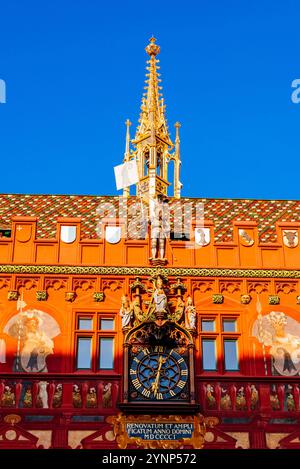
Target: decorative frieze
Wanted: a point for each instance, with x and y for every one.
(148, 271)
(230, 287)
(258, 287)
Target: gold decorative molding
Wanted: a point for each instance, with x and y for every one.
(217, 298)
(70, 296)
(274, 300)
(98, 296)
(245, 299)
(200, 423)
(12, 419)
(12, 295)
(41, 295)
(148, 271)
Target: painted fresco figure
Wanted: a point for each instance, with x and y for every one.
(34, 331)
(284, 346)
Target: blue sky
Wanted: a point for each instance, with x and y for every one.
(75, 69)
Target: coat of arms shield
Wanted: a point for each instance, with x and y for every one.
(68, 234)
(246, 237)
(202, 236)
(113, 234)
(290, 238)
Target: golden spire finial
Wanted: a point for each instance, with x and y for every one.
(152, 142)
(152, 48)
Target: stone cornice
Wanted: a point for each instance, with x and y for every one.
(140, 271)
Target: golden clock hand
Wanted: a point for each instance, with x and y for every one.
(155, 383)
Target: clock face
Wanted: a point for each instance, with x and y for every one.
(158, 374)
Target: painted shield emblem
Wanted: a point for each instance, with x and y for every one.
(202, 236)
(246, 237)
(113, 234)
(68, 234)
(23, 233)
(290, 238)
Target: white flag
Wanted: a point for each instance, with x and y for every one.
(126, 174)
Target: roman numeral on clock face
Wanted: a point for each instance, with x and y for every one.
(132, 372)
(146, 351)
(159, 396)
(180, 360)
(159, 348)
(146, 392)
(181, 384)
(184, 372)
(172, 393)
(136, 383)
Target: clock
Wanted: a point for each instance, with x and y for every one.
(157, 374)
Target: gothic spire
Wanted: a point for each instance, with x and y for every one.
(152, 117)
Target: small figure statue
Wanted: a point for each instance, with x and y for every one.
(27, 402)
(43, 394)
(241, 399)
(274, 401)
(225, 400)
(138, 314)
(179, 310)
(77, 401)
(211, 400)
(290, 403)
(107, 395)
(254, 396)
(8, 397)
(57, 397)
(160, 228)
(159, 301)
(91, 398)
(190, 314)
(126, 312)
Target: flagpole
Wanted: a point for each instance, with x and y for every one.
(260, 333)
(20, 309)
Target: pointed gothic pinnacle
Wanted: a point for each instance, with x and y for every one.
(152, 49)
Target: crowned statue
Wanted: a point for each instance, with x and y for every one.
(159, 303)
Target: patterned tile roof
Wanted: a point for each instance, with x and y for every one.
(47, 208)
